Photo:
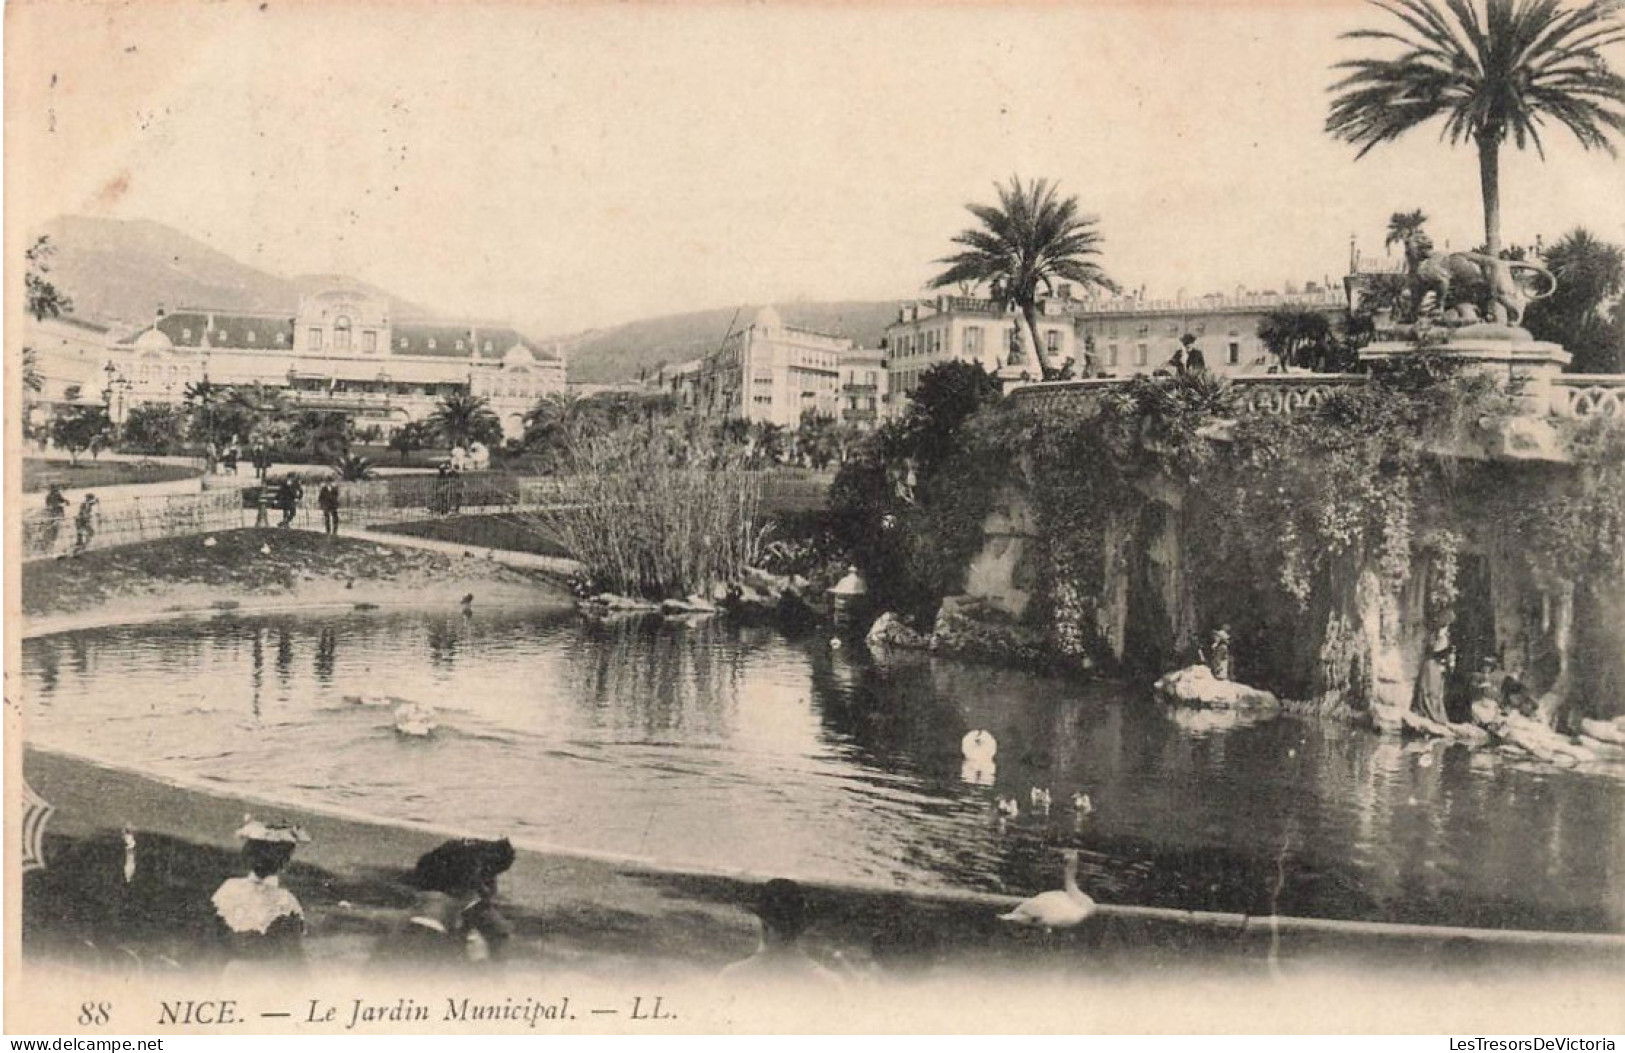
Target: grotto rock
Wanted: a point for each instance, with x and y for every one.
(889, 630)
(1197, 686)
(971, 628)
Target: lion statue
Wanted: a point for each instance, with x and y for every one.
(1506, 293)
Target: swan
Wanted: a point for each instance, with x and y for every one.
(415, 720)
(1082, 804)
(370, 698)
(979, 745)
(1009, 807)
(1057, 909)
(1040, 799)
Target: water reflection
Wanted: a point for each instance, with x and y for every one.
(711, 745)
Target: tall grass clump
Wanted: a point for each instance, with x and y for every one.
(653, 515)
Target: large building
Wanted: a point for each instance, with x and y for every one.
(864, 390)
(342, 351)
(770, 372)
(1127, 335)
(966, 329)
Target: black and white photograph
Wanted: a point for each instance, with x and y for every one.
(540, 518)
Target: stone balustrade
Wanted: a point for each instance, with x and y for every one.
(1271, 393)
(1588, 395)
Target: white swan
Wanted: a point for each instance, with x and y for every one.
(370, 698)
(1040, 799)
(1058, 909)
(1082, 804)
(1009, 807)
(415, 720)
(979, 745)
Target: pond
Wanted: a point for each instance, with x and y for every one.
(714, 746)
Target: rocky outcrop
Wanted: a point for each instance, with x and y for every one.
(1197, 686)
(889, 630)
(970, 628)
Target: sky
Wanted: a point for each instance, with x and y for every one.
(567, 167)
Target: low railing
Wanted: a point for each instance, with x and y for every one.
(1572, 395)
(1588, 395)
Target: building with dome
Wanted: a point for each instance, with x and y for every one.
(343, 351)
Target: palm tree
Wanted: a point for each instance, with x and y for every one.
(1491, 75)
(461, 419)
(1401, 225)
(1298, 336)
(1031, 240)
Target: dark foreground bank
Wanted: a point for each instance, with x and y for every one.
(626, 920)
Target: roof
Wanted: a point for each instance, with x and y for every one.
(189, 328)
(442, 339)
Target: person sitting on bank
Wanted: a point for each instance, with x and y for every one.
(1217, 653)
(260, 920)
(781, 909)
(56, 513)
(467, 870)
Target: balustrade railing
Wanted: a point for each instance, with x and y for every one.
(1588, 395)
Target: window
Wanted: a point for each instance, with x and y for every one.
(1052, 340)
(488, 347)
(1140, 352)
(313, 337)
(432, 345)
(341, 333)
(281, 339)
(369, 341)
(252, 337)
(1233, 353)
(460, 345)
(973, 340)
(1144, 330)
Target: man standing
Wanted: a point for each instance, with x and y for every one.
(327, 498)
(56, 513)
(291, 493)
(84, 524)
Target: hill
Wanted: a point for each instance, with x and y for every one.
(604, 355)
(118, 272)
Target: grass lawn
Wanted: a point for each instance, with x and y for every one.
(299, 561)
(38, 474)
(508, 531)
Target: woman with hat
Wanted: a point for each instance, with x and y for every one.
(455, 922)
(261, 920)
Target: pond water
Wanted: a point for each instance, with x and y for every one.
(717, 746)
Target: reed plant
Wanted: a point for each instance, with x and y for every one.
(657, 515)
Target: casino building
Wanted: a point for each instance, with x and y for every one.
(341, 351)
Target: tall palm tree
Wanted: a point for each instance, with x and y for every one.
(1401, 225)
(1493, 74)
(1033, 239)
(461, 419)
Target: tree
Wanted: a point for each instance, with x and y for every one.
(79, 429)
(1033, 239)
(463, 419)
(947, 396)
(1401, 225)
(353, 469)
(1590, 274)
(1297, 336)
(154, 428)
(45, 300)
(1491, 75)
(411, 437)
(765, 447)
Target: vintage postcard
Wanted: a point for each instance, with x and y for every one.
(553, 518)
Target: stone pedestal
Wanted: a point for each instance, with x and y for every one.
(1508, 353)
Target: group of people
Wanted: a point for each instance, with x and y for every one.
(56, 515)
(287, 494)
(454, 922)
